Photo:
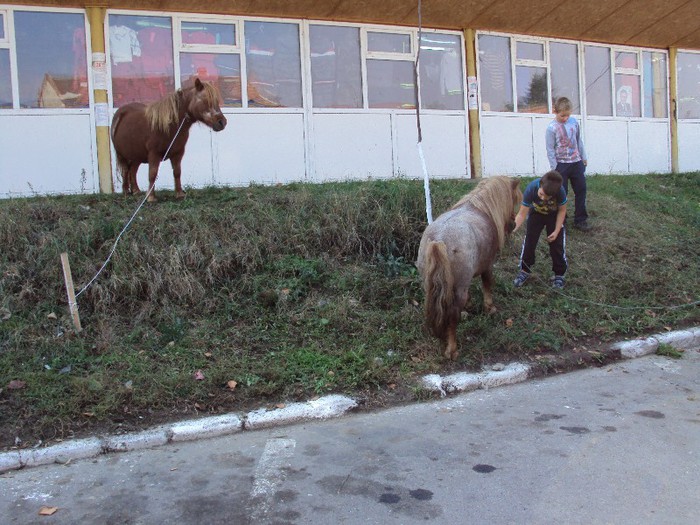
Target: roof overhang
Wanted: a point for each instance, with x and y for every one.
(643, 23)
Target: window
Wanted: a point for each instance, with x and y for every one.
(5, 72)
(495, 73)
(273, 64)
(531, 77)
(655, 90)
(390, 70)
(141, 51)
(440, 65)
(688, 85)
(210, 51)
(51, 63)
(564, 71)
(627, 84)
(336, 68)
(598, 81)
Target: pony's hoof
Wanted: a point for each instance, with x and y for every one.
(451, 354)
(490, 310)
(151, 198)
(180, 195)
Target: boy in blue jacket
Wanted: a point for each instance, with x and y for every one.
(544, 207)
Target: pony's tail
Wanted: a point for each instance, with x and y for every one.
(122, 163)
(438, 283)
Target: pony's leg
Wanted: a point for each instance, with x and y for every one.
(133, 184)
(152, 174)
(175, 162)
(487, 282)
(126, 175)
(451, 348)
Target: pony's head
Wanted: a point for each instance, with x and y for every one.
(498, 198)
(202, 105)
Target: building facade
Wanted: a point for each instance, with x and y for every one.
(320, 100)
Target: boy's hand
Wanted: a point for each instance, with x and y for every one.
(552, 236)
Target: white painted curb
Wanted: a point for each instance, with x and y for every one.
(322, 408)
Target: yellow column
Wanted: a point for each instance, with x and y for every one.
(472, 105)
(673, 94)
(96, 17)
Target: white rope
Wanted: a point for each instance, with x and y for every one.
(419, 145)
(148, 193)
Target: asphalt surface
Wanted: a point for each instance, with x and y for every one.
(618, 444)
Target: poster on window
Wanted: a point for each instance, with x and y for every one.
(472, 93)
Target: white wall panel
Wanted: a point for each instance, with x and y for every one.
(507, 147)
(445, 146)
(43, 154)
(688, 146)
(650, 147)
(606, 146)
(539, 130)
(352, 146)
(263, 148)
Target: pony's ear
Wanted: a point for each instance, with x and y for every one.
(198, 84)
(514, 183)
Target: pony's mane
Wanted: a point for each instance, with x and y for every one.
(166, 111)
(494, 197)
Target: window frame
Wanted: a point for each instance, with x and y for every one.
(580, 46)
(9, 42)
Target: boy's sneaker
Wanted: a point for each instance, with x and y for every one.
(583, 226)
(521, 278)
(558, 281)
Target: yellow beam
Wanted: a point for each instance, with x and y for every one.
(96, 17)
(673, 93)
(473, 105)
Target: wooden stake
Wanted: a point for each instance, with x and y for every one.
(72, 304)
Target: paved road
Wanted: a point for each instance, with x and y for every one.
(619, 444)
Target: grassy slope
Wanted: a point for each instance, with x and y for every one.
(300, 290)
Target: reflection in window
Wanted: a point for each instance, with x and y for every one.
(529, 51)
(531, 84)
(223, 70)
(388, 42)
(688, 85)
(273, 64)
(625, 59)
(2, 26)
(655, 93)
(627, 99)
(5, 84)
(441, 79)
(495, 73)
(206, 33)
(564, 70)
(336, 72)
(141, 51)
(390, 84)
(598, 81)
(52, 62)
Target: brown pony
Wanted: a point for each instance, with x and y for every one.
(459, 245)
(142, 133)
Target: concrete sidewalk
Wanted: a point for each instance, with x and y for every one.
(614, 444)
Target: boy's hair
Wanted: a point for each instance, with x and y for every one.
(562, 104)
(551, 183)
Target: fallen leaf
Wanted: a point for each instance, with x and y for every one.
(280, 405)
(47, 511)
(416, 359)
(199, 375)
(198, 406)
(231, 384)
(509, 322)
(16, 384)
(88, 414)
(207, 354)
(52, 316)
(392, 386)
